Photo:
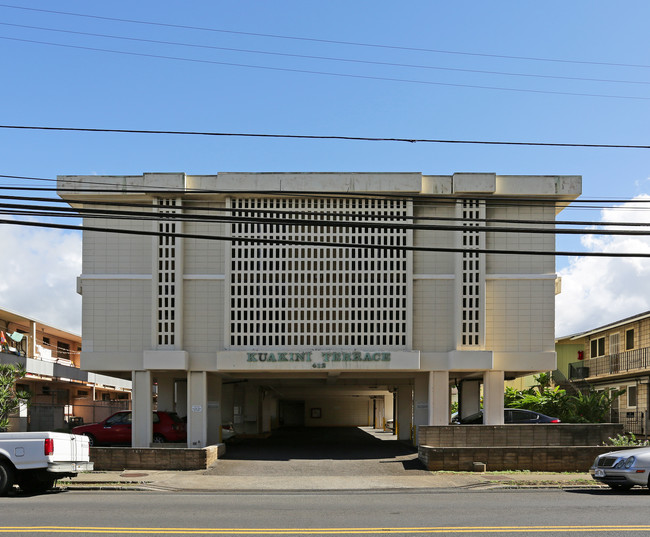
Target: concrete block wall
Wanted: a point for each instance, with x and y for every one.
(126, 458)
(557, 434)
(563, 447)
(534, 459)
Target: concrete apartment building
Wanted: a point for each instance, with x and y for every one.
(312, 299)
(62, 394)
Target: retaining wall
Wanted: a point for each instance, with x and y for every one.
(156, 458)
(561, 447)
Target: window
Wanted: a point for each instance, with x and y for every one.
(629, 339)
(46, 340)
(62, 350)
(631, 396)
(598, 347)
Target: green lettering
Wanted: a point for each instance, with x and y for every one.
(326, 356)
(385, 357)
(262, 356)
(272, 358)
(282, 357)
(251, 357)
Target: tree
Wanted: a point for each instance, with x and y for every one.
(590, 407)
(10, 398)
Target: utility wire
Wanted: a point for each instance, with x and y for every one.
(328, 41)
(323, 137)
(326, 58)
(262, 241)
(193, 206)
(293, 221)
(326, 73)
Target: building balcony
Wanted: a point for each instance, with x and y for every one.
(634, 361)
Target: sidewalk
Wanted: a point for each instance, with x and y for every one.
(201, 481)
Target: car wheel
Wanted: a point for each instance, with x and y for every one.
(6, 477)
(619, 486)
(91, 439)
(158, 439)
(36, 482)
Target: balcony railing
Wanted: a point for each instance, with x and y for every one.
(611, 364)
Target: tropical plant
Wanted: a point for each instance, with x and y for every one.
(629, 440)
(589, 407)
(10, 398)
(592, 406)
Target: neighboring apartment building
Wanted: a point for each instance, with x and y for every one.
(314, 299)
(616, 355)
(62, 394)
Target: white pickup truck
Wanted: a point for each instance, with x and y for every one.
(36, 460)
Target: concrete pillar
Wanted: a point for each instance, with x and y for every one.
(493, 397)
(469, 397)
(165, 383)
(404, 413)
(267, 409)
(214, 410)
(252, 412)
(439, 398)
(180, 389)
(142, 413)
(197, 406)
(389, 408)
(421, 400)
(31, 342)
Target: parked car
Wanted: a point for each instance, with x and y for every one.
(510, 415)
(116, 429)
(227, 432)
(623, 469)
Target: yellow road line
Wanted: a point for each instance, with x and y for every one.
(319, 531)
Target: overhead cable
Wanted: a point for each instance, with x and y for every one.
(324, 244)
(323, 137)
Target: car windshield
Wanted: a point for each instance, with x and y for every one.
(175, 417)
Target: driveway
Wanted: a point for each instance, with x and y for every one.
(320, 451)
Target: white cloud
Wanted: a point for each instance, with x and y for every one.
(38, 275)
(600, 290)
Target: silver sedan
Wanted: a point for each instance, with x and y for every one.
(623, 469)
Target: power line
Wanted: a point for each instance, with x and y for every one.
(328, 41)
(326, 73)
(324, 137)
(326, 58)
(192, 204)
(327, 244)
(289, 219)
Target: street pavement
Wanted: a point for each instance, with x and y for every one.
(325, 459)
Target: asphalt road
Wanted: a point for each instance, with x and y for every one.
(445, 512)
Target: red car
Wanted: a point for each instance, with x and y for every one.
(116, 429)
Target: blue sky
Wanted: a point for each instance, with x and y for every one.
(447, 61)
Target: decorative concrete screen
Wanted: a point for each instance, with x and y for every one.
(296, 295)
(166, 272)
(472, 213)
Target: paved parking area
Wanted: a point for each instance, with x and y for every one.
(320, 451)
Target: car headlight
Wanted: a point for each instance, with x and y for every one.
(625, 463)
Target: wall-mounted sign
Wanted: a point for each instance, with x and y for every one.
(273, 360)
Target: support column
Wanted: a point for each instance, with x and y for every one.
(197, 403)
(469, 397)
(142, 414)
(404, 412)
(421, 400)
(493, 397)
(252, 410)
(165, 392)
(439, 398)
(214, 410)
